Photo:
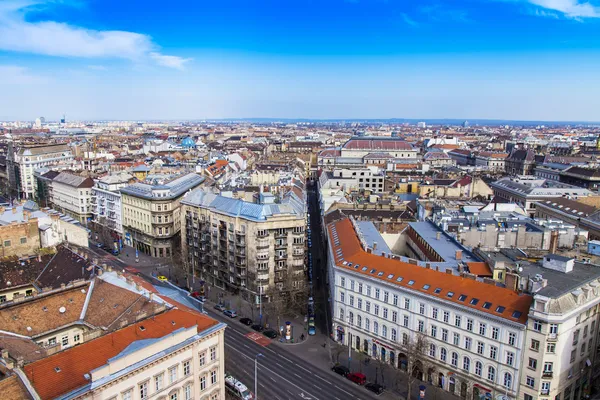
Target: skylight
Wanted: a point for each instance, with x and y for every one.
(462, 297)
(474, 302)
(426, 287)
(437, 290)
(450, 294)
(390, 276)
(364, 268)
(380, 274)
(487, 305)
(356, 266)
(411, 282)
(399, 279)
(516, 314)
(500, 309)
(372, 271)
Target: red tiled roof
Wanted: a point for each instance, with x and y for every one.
(352, 252)
(376, 144)
(479, 269)
(82, 359)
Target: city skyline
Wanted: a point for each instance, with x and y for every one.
(504, 60)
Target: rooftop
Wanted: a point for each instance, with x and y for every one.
(164, 191)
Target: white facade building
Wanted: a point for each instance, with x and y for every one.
(72, 194)
(106, 200)
(474, 331)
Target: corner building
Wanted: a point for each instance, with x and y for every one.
(474, 331)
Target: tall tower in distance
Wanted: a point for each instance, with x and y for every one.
(63, 119)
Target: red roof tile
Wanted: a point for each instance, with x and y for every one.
(377, 144)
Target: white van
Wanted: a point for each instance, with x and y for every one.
(237, 389)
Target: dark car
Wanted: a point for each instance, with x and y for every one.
(257, 328)
(246, 321)
(374, 387)
(341, 370)
(270, 333)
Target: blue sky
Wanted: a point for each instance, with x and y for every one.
(108, 59)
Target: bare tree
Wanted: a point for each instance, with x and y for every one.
(415, 351)
(337, 350)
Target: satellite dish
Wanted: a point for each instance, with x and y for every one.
(62, 310)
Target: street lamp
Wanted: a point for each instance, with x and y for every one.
(256, 374)
(349, 342)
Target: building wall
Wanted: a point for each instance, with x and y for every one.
(53, 155)
(72, 200)
(421, 308)
(19, 239)
(575, 328)
(236, 253)
(106, 206)
(152, 226)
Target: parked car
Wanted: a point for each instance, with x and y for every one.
(99, 245)
(230, 313)
(311, 326)
(341, 370)
(257, 328)
(374, 387)
(115, 252)
(220, 307)
(270, 333)
(357, 377)
(246, 321)
(198, 296)
(162, 278)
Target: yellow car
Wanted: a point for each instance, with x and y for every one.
(162, 278)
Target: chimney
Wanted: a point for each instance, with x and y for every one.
(458, 255)
(449, 271)
(553, 242)
(374, 246)
(438, 235)
(14, 210)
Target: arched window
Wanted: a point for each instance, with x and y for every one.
(455, 359)
(478, 368)
(507, 380)
(394, 334)
(443, 354)
(491, 373)
(375, 327)
(384, 331)
(432, 350)
(466, 363)
(367, 324)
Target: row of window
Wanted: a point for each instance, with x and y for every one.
(456, 340)
(436, 313)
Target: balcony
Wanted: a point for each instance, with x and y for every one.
(281, 257)
(545, 392)
(547, 374)
(552, 337)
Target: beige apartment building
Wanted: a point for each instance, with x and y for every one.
(150, 214)
(560, 353)
(72, 195)
(252, 247)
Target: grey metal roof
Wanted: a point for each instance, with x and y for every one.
(446, 246)
(291, 204)
(371, 235)
(175, 188)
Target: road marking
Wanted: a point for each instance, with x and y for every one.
(323, 379)
(272, 379)
(246, 346)
(272, 372)
(279, 364)
(301, 367)
(298, 375)
(349, 394)
(286, 359)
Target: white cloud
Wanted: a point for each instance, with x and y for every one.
(408, 20)
(570, 8)
(169, 61)
(63, 40)
(15, 75)
(97, 67)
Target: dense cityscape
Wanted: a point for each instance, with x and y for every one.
(301, 260)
